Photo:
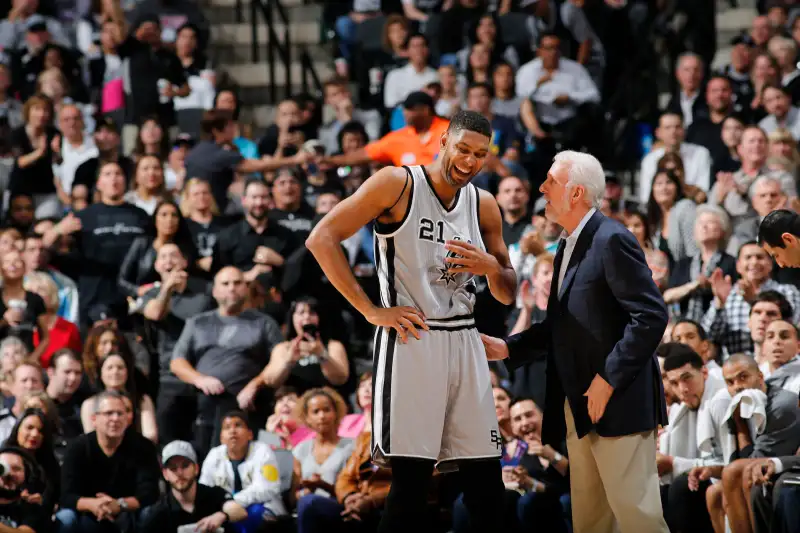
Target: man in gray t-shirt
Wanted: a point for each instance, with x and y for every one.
(222, 354)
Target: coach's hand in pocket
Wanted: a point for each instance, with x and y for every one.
(598, 394)
(403, 319)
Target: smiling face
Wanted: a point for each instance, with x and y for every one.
(31, 433)
(754, 264)
(114, 373)
(463, 155)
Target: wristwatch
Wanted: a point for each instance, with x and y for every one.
(123, 505)
(557, 457)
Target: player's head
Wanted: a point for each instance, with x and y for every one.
(779, 234)
(741, 372)
(465, 146)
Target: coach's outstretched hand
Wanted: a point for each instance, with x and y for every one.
(403, 319)
(496, 349)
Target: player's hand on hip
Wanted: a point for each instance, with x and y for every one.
(470, 258)
(496, 349)
(598, 394)
(403, 319)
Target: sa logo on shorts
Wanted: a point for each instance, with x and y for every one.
(270, 473)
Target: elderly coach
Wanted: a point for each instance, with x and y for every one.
(605, 318)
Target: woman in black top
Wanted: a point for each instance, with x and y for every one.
(137, 272)
(22, 311)
(32, 146)
(202, 218)
(152, 140)
(34, 433)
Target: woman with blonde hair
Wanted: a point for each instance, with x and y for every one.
(12, 352)
(63, 334)
(783, 153)
(202, 217)
(318, 461)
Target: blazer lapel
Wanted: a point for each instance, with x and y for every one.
(552, 301)
(583, 243)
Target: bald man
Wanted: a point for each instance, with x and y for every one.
(222, 353)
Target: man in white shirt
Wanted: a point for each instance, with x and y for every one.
(73, 149)
(693, 438)
(413, 77)
(696, 159)
(782, 114)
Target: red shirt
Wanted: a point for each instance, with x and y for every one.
(63, 334)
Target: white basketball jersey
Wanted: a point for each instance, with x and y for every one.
(410, 256)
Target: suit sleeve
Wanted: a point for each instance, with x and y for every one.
(632, 285)
(528, 346)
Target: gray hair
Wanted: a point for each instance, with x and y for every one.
(761, 180)
(722, 217)
(585, 170)
(108, 394)
(12, 342)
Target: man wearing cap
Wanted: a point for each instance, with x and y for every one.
(24, 28)
(418, 143)
(187, 501)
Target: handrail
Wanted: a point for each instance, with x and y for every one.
(278, 47)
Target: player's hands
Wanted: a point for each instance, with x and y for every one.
(696, 475)
(761, 473)
(496, 349)
(598, 394)
(403, 319)
(470, 259)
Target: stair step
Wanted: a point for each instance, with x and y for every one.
(234, 33)
(288, 4)
(229, 15)
(257, 74)
(235, 54)
(735, 19)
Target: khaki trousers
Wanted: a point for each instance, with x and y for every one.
(614, 482)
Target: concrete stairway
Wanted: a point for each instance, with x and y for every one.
(231, 50)
(730, 23)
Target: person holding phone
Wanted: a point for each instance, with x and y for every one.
(309, 359)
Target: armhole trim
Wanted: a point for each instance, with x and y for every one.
(385, 229)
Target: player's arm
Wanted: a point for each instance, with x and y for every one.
(383, 192)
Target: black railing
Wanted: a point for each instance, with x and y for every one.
(273, 13)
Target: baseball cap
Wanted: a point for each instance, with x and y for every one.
(184, 139)
(36, 23)
(178, 448)
(418, 98)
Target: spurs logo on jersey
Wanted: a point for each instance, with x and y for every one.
(411, 258)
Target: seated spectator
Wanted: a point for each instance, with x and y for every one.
(689, 103)
(505, 138)
(502, 407)
(34, 433)
(12, 352)
(202, 218)
(137, 273)
(553, 88)
(339, 100)
(688, 291)
(37, 261)
(506, 102)
(765, 71)
(657, 260)
(707, 131)
(766, 195)
(347, 25)
(671, 216)
(696, 159)
(485, 32)
(293, 209)
(108, 475)
(726, 319)
(23, 21)
(734, 191)
(378, 63)
(62, 91)
(103, 340)
(283, 422)
(107, 140)
(27, 377)
(148, 188)
(309, 358)
(174, 168)
(784, 50)
(782, 146)
(403, 81)
(690, 333)
(64, 379)
(353, 425)
(75, 148)
(152, 140)
(780, 435)
(116, 376)
(780, 366)
(10, 107)
(222, 354)
(361, 490)
(247, 469)
(199, 75)
(318, 461)
(21, 516)
(227, 100)
(61, 333)
(23, 311)
(187, 501)
(781, 112)
(704, 402)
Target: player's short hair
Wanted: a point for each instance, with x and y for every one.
(676, 355)
(776, 224)
(748, 360)
(470, 121)
(701, 331)
(774, 297)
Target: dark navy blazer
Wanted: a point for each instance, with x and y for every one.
(609, 320)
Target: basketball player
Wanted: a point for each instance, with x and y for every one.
(434, 233)
(779, 234)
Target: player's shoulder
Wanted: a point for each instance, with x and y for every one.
(389, 179)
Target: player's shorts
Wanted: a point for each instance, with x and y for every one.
(432, 397)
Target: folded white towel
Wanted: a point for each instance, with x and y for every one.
(752, 405)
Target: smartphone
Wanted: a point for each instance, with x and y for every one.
(311, 330)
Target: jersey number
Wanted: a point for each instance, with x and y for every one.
(426, 230)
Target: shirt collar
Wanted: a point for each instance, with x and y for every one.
(572, 237)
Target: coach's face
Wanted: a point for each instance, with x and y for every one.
(561, 197)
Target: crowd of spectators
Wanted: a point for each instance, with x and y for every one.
(171, 355)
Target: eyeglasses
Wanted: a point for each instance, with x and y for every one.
(111, 414)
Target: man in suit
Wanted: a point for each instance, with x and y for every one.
(605, 318)
(775, 495)
(779, 234)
